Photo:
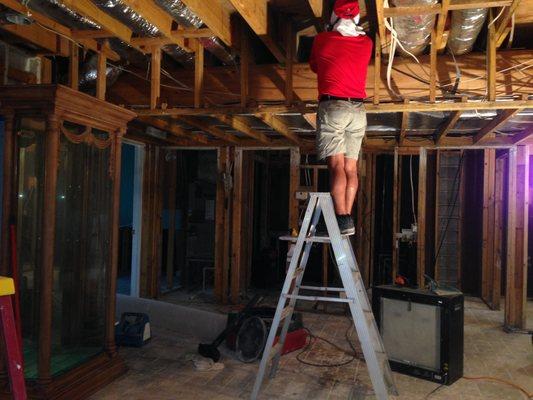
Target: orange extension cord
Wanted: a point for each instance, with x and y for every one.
(490, 378)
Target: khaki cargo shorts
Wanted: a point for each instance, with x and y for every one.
(341, 128)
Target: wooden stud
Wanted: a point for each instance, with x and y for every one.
(503, 30)
(221, 226)
(517, 238)
(199, 76)
(433, 68)
(294, 185)
(236, 236)
(74, 62)
(498, 233)
(396, 194)
(441, 22)
(377, 69)
(172, 170)
(290, 43)
(381, 22)
(245, 67)
(487, 266)
(491, 59)
(421, 219)
(155, 82)
(404, 125)
(101, 76)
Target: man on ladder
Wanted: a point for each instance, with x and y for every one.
(340, 58)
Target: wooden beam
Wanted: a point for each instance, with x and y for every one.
(290, 43)
(199, 76)
(498, 233)
(380, 16)
(210, 129)
(245, 66)
(443, 130)
(242, 125)
(487, 131)
(279, 126)
(503, 30)
(517, 238)
(73, 67)
(491, 59)
(35, 34)
(433, 68)
(91, 34)
(317, 6)
(88, 9)
(215, 15)
(171, 167)
(155, 81)
(101, 76)
(46, 70)
(255, 13)
(175, 130)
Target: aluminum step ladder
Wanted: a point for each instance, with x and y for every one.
(353, 292)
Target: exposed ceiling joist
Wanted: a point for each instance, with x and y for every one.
(494, 124)
(317, 6)
(35, 34)
(174, 129)
(59, 28)
(442, 132)
(255, 13)
(215, 15)
(88, 9)
(279, 126)
(242, 125)
(159, 18)
(212, 130)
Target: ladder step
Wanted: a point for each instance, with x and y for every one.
(317, 298)
(323, 289)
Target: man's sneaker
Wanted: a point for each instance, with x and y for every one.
(346, 225)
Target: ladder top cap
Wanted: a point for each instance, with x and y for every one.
(7, 286)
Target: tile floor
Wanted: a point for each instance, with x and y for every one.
(161, 370)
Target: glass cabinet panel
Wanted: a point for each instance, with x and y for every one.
(82, 248)
(30, 184)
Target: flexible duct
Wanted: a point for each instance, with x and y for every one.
(466, 25)
(414, 32)
(184, 16)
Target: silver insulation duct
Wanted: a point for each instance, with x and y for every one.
(184, 16)
(414, 32)
(465, 28)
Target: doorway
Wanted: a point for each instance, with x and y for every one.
(130, 218)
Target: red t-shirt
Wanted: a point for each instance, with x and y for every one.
(341, 63)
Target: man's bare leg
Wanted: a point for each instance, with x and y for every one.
(350, 169)
(337, 176)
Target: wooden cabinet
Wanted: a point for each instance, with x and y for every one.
(60, 203)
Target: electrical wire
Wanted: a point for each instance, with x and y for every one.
(499, 380)
(314, 338)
